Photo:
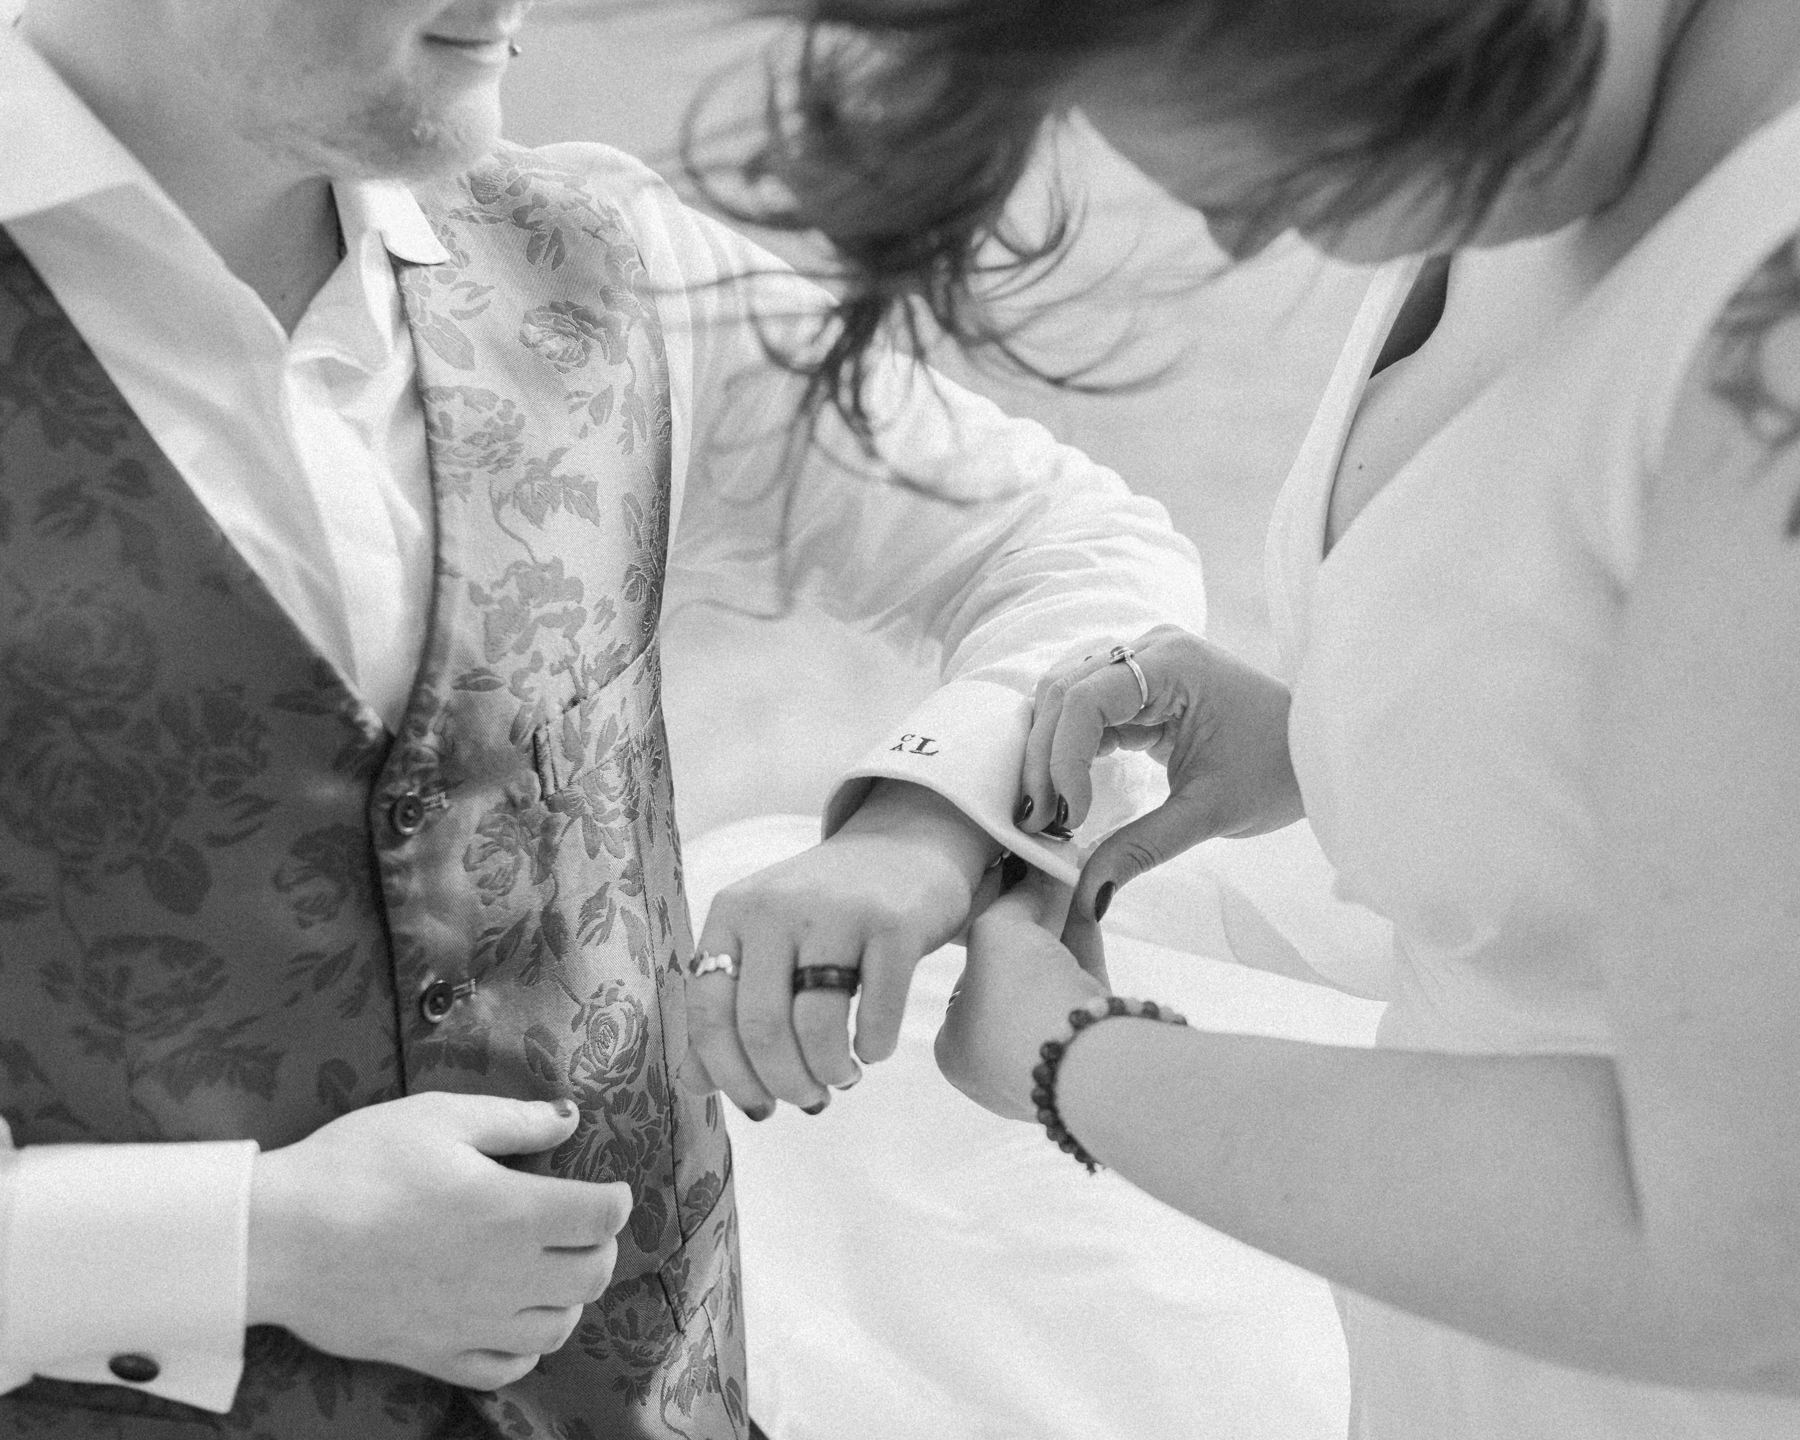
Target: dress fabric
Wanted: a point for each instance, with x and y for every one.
(1447, 661)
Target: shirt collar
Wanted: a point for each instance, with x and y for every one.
(56, 152)
(392, 211)
(55, 149)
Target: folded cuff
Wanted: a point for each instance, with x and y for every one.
(127, 1264)
(967, 743)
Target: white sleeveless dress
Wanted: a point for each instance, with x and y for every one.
(1446, 660)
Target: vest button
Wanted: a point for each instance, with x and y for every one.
(407, 814)
(437, 1000)
(134, 1369)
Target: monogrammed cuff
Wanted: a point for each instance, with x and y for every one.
(966, 742)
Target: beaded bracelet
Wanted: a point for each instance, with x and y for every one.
(1052, 1051)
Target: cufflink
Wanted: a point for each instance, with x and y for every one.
(134, 1369)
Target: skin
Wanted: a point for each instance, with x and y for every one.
(361, 1235)
(1499, 1195)
(901, 877)
(245, 113)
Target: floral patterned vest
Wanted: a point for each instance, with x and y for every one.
(231, 905)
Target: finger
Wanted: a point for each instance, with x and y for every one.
(1081, 937)
(995, 882)
(497, 1125)
(1100, 701)
(1037, 797)
(543, 1329)
(889, 959)
(713, 1044)
(1047, 810)
(558, 1213)
(821, 1021)
(591, 1273)
(1179, 823)
(693, 1074)
(487, 1369)
(765, 1016)
(570, 1277)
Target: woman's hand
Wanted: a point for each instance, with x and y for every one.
(1218, 724)
(1016, 992)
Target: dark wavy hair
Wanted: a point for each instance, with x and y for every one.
(897, 130)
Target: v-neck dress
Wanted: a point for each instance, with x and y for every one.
(1447, 661)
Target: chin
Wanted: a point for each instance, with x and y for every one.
(405, 137)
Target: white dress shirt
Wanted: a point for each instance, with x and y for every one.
(309, 452)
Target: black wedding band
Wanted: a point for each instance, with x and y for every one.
(827, 977)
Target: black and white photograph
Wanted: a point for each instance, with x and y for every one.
(899, 720)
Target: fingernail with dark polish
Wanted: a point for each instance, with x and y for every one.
(1060, 821)
(1058, 832)
(852, 1082)
(1022, 811)
(1102, 899)
(565, 1107)
(1012, 871)
(818, 1109)
(761, 1114)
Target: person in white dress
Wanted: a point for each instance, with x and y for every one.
(1536, 579)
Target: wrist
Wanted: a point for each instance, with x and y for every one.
(911, 814)
(273, 1240)
(1051, 1090)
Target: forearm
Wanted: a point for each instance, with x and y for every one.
(1492, 1194)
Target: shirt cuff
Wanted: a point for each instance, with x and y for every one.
(127, 1264)
(967, 743)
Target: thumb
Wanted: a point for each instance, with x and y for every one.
(495, 1125)
(1179, 823)
(1081, 937)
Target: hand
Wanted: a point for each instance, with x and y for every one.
(893, 884)
(1219, 725)
(390, 1235)
(1016, 992)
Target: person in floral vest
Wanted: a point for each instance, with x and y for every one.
(345, 456)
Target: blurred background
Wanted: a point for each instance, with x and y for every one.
(1247, 354)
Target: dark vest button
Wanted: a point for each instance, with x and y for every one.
(134, 1369)
(407, 814)
(436, 1000)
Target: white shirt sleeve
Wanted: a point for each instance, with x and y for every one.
(126, 1264)
(972, 532)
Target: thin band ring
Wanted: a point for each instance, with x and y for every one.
(1125, 655)
(842, 978)
(726, 965)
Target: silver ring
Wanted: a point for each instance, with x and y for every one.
(1125, 655)
(726, 965)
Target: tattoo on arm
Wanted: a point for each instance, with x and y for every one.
(1756, 365)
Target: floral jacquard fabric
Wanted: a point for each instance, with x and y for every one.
(231, 905)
